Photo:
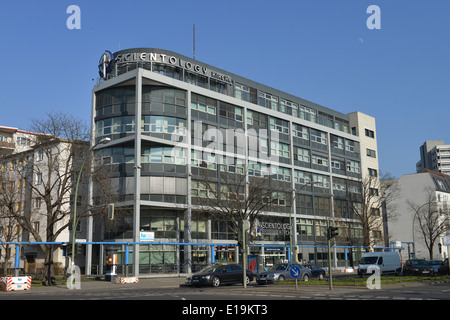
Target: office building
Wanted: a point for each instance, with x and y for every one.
(174, 120)
(435, 156)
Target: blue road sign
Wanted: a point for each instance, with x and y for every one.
(295, 272)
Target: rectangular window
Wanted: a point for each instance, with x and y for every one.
(373, 172)
(279, 149)
(369, 133)
(371, 153)
(318, 136)
(302, 155)
(300, 131)
(279, 125)
(267, 100)
(319, 160)
(38, 178)
(353, 166)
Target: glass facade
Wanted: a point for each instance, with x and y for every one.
(315, 156)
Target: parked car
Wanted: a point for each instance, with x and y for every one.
(435, 264)
(417, 267)
(281, 272)
(219, 274)
(316, 272)
(388, 262)
(443, 268)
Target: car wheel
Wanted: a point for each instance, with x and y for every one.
(216, 282)
(247, 279)
(305, 277)
(321, 276)
(280, 279)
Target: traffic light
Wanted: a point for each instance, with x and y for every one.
(78, 248)
(332, 232)
(68, 249)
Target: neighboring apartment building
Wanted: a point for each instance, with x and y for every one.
(429, 191)
(28, 162)
(162, 110)
(435, 156)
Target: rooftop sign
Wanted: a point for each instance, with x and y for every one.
(122, 58)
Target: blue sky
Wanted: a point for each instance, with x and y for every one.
(318, 50)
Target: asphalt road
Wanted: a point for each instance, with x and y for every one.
(174, 289)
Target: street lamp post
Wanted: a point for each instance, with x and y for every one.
(75, 222)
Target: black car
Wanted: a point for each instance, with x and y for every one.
(443, 268)
(220, 274)
(417, 267)
(316, 271)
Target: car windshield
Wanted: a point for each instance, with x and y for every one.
(209, 269)
(434, 262)
(369, 260)
(279, 267)
(419, 263)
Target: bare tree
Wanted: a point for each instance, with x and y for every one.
(50, 176)
(236, 196)
(10, 201)
(367, 205)
(433, 219)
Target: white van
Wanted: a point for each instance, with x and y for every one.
(388, 262)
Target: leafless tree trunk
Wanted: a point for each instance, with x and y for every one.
(50, 175)
(367, 204)
(433, 219)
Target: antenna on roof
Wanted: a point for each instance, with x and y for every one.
(194, 40)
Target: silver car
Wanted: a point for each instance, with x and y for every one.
(281, 272)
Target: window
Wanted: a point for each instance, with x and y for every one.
(161, 124)
(371, 153)
(302, 154)
(280, 173)
(370, 133)
(302, 177)
(258, 169)
(279, 125)
(338, 142)
(373, 172)
(256, 119)
(40, 155)
(300, 132)
(321, 181)
(244, 93)
(318, 136)
(319, 160)
(267, 100)
(37, 202)
(289, 107)
(200, 189)
(38, 178)
(307, 113)
(23, 141)
(279, 149)
(353, 166)
(203, 104)
(231, 112)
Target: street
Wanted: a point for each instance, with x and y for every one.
(174, 289)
